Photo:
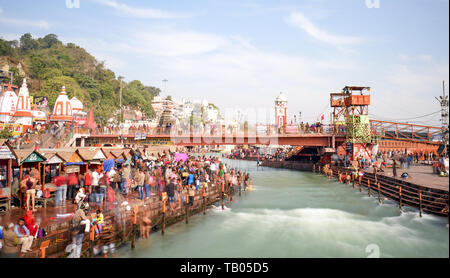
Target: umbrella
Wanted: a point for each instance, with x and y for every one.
(181, 157)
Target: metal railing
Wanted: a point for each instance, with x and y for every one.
(404, 131)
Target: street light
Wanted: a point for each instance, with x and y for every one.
(165, 85)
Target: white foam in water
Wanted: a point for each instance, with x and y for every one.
(219, 208)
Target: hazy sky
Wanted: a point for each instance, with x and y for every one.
(239, 53)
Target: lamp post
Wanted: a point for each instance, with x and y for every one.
(165, 85)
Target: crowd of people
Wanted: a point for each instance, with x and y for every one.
(175, 175)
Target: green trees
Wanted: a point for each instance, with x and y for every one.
(49, 64)
(6, 48)
(27, 43)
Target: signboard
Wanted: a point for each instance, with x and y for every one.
(157, 142)
(39, 101)
(140, 136)
(34, 157)
(73, 169)
(16, 129)
(92, 141)
(5, 153)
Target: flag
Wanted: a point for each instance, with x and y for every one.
(323, 117)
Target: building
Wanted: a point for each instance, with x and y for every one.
(62, 112)
(79, 116)
(23, 114)
(281, 110)
(8, 104)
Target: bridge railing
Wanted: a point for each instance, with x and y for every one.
(268, 130)
(405, 131)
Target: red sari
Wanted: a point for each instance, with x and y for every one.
(30, 223)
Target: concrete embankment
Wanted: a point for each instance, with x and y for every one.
(293, 165)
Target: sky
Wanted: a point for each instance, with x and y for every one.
(243, 53)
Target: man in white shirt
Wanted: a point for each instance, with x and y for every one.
(111, 173)
(95, 177)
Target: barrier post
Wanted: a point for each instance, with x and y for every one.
(223, 195)
(163, 225)
(43, 247)
(187, 208)
(133, 232)
(379, 196)
(204, 200)
(368, 187)
(420, 203)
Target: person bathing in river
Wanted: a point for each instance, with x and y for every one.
(146, 224)
(170, 190)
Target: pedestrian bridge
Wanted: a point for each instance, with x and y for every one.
(312, 140)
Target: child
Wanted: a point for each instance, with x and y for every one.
(98, 221)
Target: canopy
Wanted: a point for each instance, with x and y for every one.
(108, 164)
(120, 160)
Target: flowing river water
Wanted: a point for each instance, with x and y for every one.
(299, 215)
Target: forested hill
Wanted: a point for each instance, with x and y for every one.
(48, 64)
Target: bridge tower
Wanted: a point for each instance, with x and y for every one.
(281, 111)
(351, 109)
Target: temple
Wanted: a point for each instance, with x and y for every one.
(62, 112)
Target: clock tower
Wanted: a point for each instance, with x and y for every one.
(281, 110)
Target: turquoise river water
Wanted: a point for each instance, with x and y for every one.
(300, 215)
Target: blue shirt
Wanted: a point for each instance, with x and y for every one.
(190, 179)
(16, 230)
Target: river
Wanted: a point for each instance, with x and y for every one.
(299, 215)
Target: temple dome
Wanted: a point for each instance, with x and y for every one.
(77, 105)
(23, 104)
(63, 108)
(281, 98)
(8, 103)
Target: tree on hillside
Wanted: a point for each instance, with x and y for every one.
(27, 43)
(6, 49)
(49, 41)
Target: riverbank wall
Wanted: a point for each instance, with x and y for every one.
(293, 165)
(425, 199)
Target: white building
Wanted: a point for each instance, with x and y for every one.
(8, 104)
